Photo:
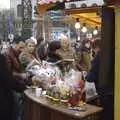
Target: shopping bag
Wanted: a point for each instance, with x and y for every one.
(90, 90)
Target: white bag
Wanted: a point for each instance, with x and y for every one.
(90, 90)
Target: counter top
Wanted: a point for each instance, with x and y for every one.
(89, 109)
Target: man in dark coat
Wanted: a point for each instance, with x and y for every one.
(7, 84)
(52, 56)
(93, 74)
(42, 51)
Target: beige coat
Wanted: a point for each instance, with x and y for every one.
(85, 62)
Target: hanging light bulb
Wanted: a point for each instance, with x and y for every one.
(77, 24)
(84, 28)
(95, 31)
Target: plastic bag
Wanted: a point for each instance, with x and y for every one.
(90, 90)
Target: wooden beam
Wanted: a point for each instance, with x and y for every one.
(43, 8)
(82, 10)
(88, 19)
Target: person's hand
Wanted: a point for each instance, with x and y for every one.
(35, 79)
(25, 76)
(84, 74)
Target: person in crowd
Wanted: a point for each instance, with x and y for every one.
(7, 84)
(42, 51)
(28, 55)
(52, 56)
(4, 47)
(66, 52)
(11, 55)
(40, 40)
(93, 74)
(85, 56)
(19, 74)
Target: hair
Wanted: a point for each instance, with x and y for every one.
(22, 43)
(83, 47)
(40, 40)
(85, 41)
(29, 41)
(17, 40)
(54, 45)
(96, 43)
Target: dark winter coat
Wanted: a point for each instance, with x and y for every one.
(7, 84)
(93, 75)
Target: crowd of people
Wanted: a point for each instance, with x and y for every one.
(16, 57)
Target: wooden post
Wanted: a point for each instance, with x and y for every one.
(117, 63)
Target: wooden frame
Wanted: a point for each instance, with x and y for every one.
(83, 10)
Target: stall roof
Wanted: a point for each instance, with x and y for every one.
(92, 19)
(92, 15)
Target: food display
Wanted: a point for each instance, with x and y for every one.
(67, 88)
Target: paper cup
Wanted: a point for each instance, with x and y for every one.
(38, 92)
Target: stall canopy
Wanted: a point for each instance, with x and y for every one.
(45, 5)
(90, 12)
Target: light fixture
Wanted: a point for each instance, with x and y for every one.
(77, 24)
(95, 31)
(84, 28)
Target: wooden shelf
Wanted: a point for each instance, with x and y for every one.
(83, 10)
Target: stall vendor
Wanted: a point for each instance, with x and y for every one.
(65, 52)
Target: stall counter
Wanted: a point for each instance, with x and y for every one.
(39, 108)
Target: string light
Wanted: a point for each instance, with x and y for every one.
(77, 24)
(95, 31)
(84, 28)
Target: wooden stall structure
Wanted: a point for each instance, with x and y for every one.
(39, 108)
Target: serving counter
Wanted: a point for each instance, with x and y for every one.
(39, 108)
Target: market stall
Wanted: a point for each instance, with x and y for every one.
(39, 108)
(58, 93)
(63, 94)
(64, 14)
